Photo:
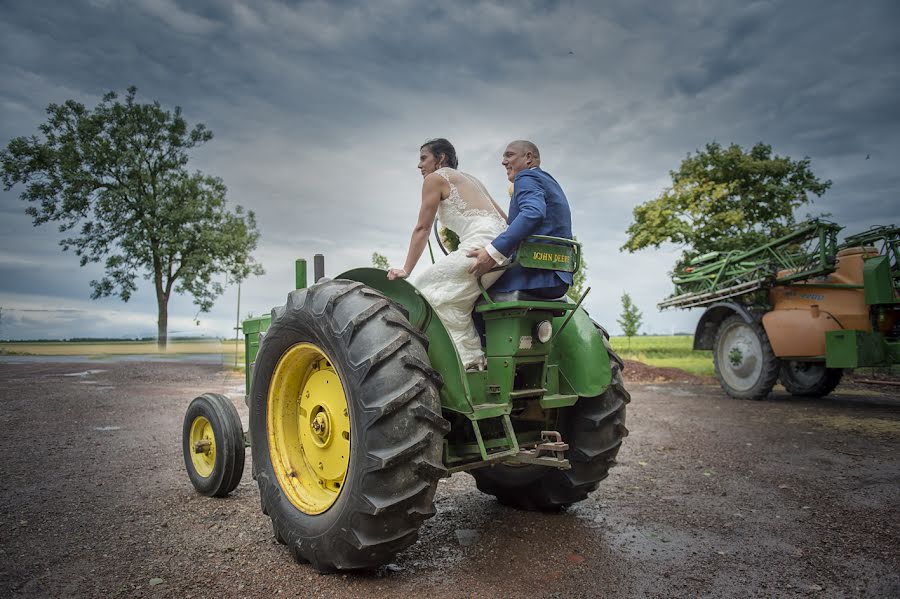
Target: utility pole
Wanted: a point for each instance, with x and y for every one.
(237, 327)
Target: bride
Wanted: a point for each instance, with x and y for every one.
(463, 205)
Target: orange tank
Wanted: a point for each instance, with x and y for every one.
(802, 313)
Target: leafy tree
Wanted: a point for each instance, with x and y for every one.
(725, 199)
(118, 173)
(631, 318)
(380, 261)
(578, 279)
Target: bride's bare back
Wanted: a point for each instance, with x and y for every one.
(467, 209)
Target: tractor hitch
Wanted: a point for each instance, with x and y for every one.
(550, 452)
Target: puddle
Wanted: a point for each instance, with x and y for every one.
(84, 373)
(107, 428)
(467, 536)
(656, 388)
(116, 358)
(673, 391)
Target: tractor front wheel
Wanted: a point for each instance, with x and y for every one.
(743, 359)
(212, 442)
(809, 379)
(594, 428)
(345, 418)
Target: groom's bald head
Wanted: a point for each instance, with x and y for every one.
(518, 156)
(525, 146)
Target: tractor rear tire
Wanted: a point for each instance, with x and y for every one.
(745, 364)
(594, 428)
(809, 379)
(346, 427)
(212, 442)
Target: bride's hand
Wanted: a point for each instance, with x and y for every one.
(396, 273)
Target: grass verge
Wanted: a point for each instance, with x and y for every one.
(114, 348)
(665, 351)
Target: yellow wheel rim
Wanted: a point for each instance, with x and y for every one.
(308, 428)
(203, 446)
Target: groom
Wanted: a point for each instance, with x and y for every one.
(538, 207)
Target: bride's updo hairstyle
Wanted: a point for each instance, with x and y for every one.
(442, 150)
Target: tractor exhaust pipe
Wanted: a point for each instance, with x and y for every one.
(318, 267)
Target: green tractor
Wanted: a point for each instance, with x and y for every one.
(359, 405)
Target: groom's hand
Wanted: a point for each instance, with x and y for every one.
(483, 262)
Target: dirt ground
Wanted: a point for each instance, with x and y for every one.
(712, 497)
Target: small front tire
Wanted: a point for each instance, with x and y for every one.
(212, 443)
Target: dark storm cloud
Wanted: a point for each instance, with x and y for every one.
(318, 109)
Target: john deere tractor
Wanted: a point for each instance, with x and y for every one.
(359, 405)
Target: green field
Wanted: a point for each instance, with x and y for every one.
(117, 348)
(665, 351)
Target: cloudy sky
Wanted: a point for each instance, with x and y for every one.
(319, 108)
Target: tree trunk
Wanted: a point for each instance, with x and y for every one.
(162, 334)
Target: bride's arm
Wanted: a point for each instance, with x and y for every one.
(431, 198)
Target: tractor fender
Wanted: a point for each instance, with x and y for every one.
(441, 351)
(580, 353)
(705, 333)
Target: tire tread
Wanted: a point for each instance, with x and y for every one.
(397, 409)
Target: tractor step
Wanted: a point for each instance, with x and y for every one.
(508, 442)
(558, 400)
(489, 410)
(523, 393)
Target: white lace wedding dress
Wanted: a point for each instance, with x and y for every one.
(447, 284)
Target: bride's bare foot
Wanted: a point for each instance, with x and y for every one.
(477, 365)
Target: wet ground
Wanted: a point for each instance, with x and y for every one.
(712, 497)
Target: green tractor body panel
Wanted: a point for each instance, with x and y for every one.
(253, 328)
(579, 351)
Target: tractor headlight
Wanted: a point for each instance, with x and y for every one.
(543, 331)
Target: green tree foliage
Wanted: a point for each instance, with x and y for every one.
(115, 178)
(578, 279)
(725, 199)
(380, 261)
(631, 318)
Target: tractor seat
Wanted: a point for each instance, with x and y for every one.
(520, 295)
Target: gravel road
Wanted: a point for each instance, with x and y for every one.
(712, 497)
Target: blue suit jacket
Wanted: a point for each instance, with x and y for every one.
(538, 207)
